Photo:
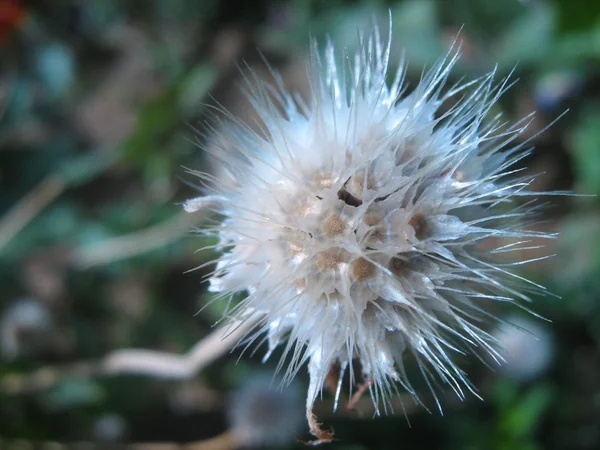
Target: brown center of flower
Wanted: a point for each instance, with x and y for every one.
(362, 269)
(331, 258)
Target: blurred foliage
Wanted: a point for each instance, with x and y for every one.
(100, 104)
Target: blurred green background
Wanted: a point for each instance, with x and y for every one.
(99, 102)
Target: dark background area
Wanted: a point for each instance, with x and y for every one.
(99, 100)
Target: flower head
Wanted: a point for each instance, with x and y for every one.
(354, 221)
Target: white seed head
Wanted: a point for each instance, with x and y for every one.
(354, 220)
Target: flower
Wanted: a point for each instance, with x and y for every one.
(354, 221)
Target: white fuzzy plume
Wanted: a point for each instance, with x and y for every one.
(354, 221)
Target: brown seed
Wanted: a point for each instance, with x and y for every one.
(406, 152)
(357, 182)
(404, 262)
(331, 258)
(333, 225)
(301, 283)
(362, 269)
(372, 219)
(348, 198)
(419, 223)
(398, 265)
(302, 208)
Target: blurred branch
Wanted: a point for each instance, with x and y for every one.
(168, 365)
(137, 361)
(48, 190)
(30, 206)
(129, 245)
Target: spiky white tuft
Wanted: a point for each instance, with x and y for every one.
(354, 221)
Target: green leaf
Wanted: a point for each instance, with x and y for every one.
(196, 85)
(586, 146)
(416, 26)
(528, 38)
(574, 16)
(79, 170)
(522, 419)
(505, 393)
(74, 392)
